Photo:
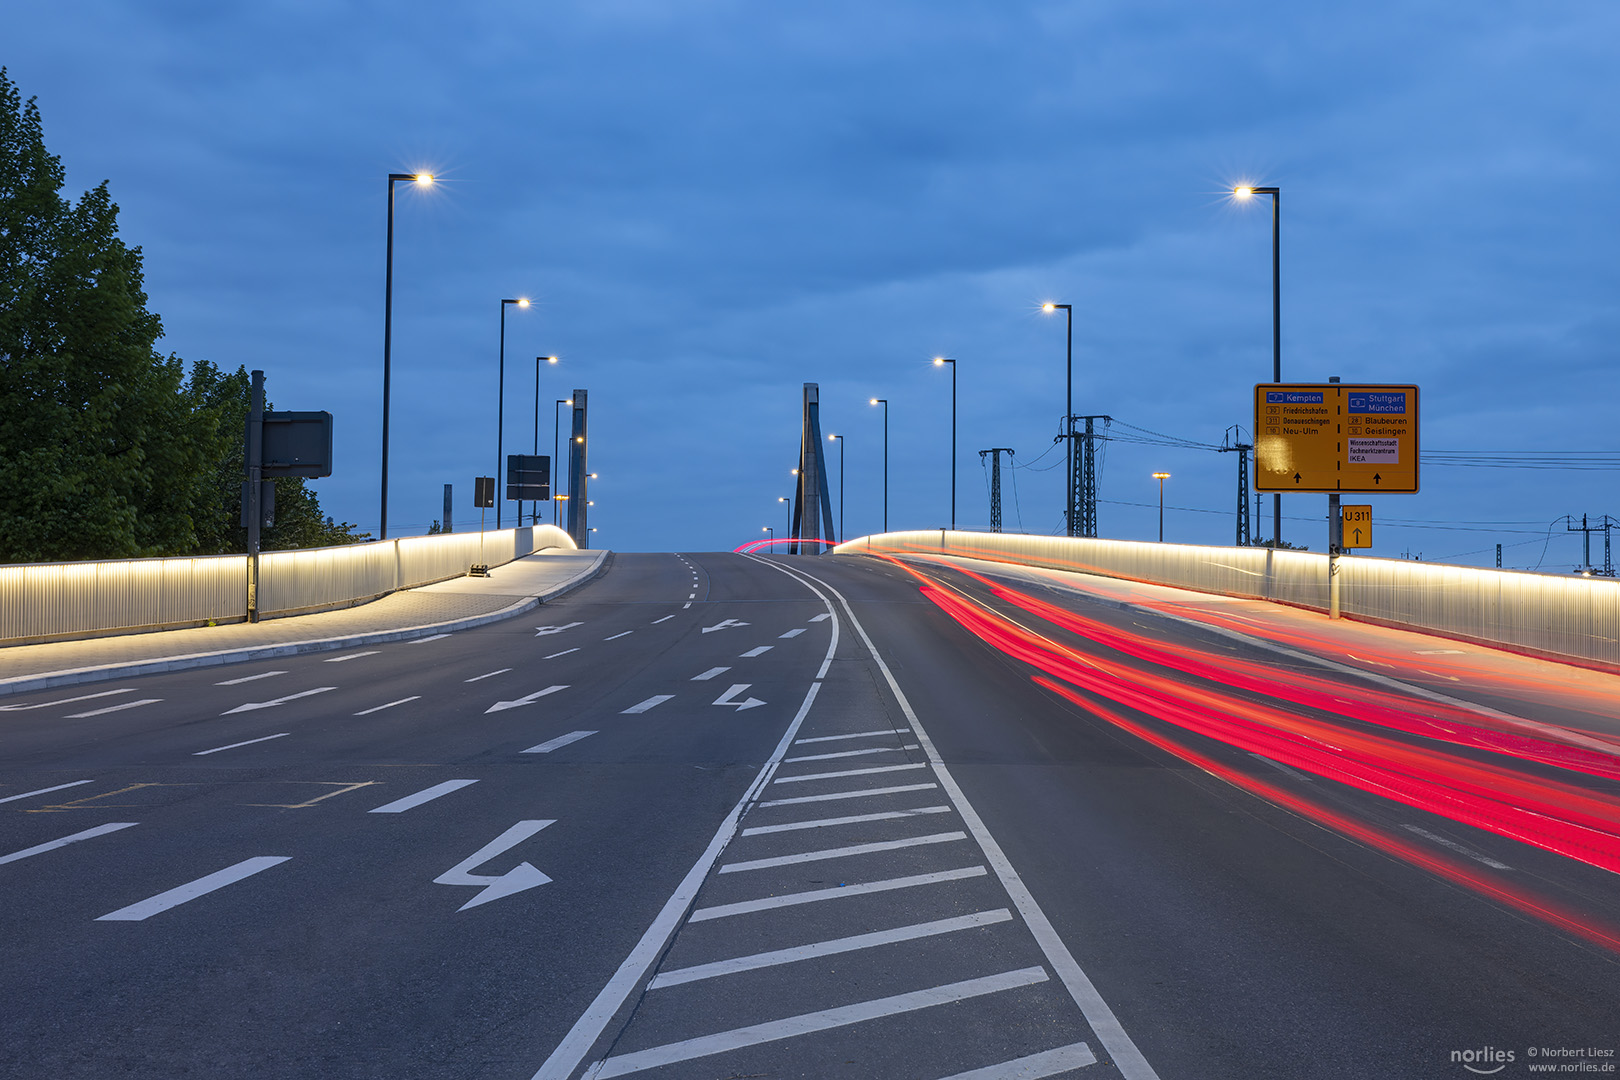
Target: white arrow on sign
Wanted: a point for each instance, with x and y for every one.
(250, 706)
(724, 624)
(737, 688)
(520, 877)
(545, 630)
(500, 706)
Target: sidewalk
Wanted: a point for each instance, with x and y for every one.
(457, 604)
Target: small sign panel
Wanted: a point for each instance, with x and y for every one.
(1332, 437)
(297, 444)
(483, 492)
(528, 476)
(1356, 531)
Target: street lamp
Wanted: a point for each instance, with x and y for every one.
(1068, 411)
(840, 439)
(534, 506)
(770, 534)
(556, 467)
(500, 408)
(1245, 191)
(1161, 477)
(789, 534)
(424, 180)
(938, 361)
(885, 403)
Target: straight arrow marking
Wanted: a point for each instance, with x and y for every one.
(522, 876)
(525, 700)
(543, 631)
(250, 706)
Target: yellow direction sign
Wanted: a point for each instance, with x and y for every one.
(1335, 437)
(1356, 531)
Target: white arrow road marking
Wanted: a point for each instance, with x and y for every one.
(521, 877)
(544, 631)
(114, 708)
(250, 706)
(528, 699)
(64, 701)
(737, 688)
(44, 791)
(723, 624)
(190, 891)
(643, 706)
(99, 830)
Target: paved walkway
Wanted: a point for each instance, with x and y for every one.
(457, 604)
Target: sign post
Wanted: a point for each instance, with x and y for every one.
(483, 498)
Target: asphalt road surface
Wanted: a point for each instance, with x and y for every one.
(716, 816)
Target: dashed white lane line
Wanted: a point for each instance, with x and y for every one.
(836, 795)
(191, 890)
(851, 753)
(234, 745)
(832, 947)
(820, 618)
(841, 852)
(433, 637)
(711, 673)
(643, 706)
(759, 650)
(390, 705)
(854, 735)
(616, 637)
(792, 633)
(686, 605)
(666, 618)
(350, 656)
(410, 802)
(855, 819)
(488, 675)
(120, 707)
(1458, 848)
(88, 834)
(554, 655)
(252, 705)
(767, 903)
(559, 742)
(850, 772)
(44, 791)
(807, 1023)
(1280, 767)
(1035, 1066)
(66, 700)
(250, 678)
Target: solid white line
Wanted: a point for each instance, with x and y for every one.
(44, 791)
(616, 637)
(249, 678)
(855, 943)
(351, 656)
(65, 701)
(759, 651)
(390, 705)
(807, 1023)
(643, 706)
(1035, 1066)
(855, 735)
(559, 742)
(745, 907)
(711, 673)
(114, 708)
(565, 652)
(666, 618)
(842, 852)
(852, 753)
(851, 772)
(1458, 848)
(99, 830)
(488, 675)
(822, 823)
(859, 794)
(234, 745)
(434, 637)
(191, 890)
(792, 633)
(409, 802)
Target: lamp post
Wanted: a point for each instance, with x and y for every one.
(885, 403)
(500, 410)
(1161, 477)
(840, 439)
(770, 534)
(1068, 411)
(938, 361)
(423, 179)
(534, 506)
(1244, 192)
(556, 468)
(789, 534)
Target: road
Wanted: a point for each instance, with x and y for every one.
(720, 816)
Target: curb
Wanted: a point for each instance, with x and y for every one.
(24, 684)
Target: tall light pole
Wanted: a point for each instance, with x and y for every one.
(938, 361)
(1244, 192)
(1161, 477)
(534, 507)
(423, 179)
(840, 439)
(500, 411)
(788, 536)
(885, 403)
(1068, 411)
(556, 469)
(771, 538)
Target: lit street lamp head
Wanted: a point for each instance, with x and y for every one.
(423, 178)
(1161, 476)
(1243, 191)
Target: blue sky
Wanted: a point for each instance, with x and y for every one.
(711, 203)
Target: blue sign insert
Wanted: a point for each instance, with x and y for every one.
(1377, 403)
(1294, 397)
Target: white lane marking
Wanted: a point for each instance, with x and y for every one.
(565, 652)
(767, 903)
(807, 1023)
(711, 673)
(520, 877)
(853, 753)
(114, 708)
(792, 633)
(44, 791)
(737, 688)
(616, 637)
(686, 605)
(822, 823)
(250, 678)
(841, 852)
(759, 650)
(1440, 652)
(1437, 675)
(65, 701)
(851, 772)
(488, 675)
(1359, 660)
(1035, 1066)
(643, 706)
(856, 735)
(1280, 767)
(1458, 848)
(559, 742)
(821, 618)
(691, 596)
(411, 802)
(836, 795)
(666, 618)
(351, 656)
(723, 624)
(390, 705)
(434, 637)
(163, 901)
(250, 706)
(234, 745)
(99, 830)
(832, 947)
(527, 699)
(547, 631)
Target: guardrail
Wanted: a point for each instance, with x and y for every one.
(1562, 617)
(58, 601)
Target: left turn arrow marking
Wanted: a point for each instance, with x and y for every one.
(525, 700)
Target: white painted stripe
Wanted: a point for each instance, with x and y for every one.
(250, 678)
(488, 675)
(859, 794)
(758, 651)
(565, 652)
(114, 708)
(350, 656)
(1035, 1066)
(854, 943)
(807, 1023)
(851, 772)
(1280, 767)
(686, 605)
(666, 618)
(711, 673)
(643, 706)
(1458, 848)
(191, 890)
(792, 633)
(234, 745)
(768, 903)
(559, 742)
(99, 830)
(616, 637)
(44, 791)
(66, 700)
(432, 637)
(691, 596)
(820, 618)
(854, 735)
(852, 753)
(390, 705)
(842, 852)
(855, 819)
(410, 802)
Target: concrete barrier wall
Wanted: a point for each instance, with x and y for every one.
(1569, 617)
(56, 601)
